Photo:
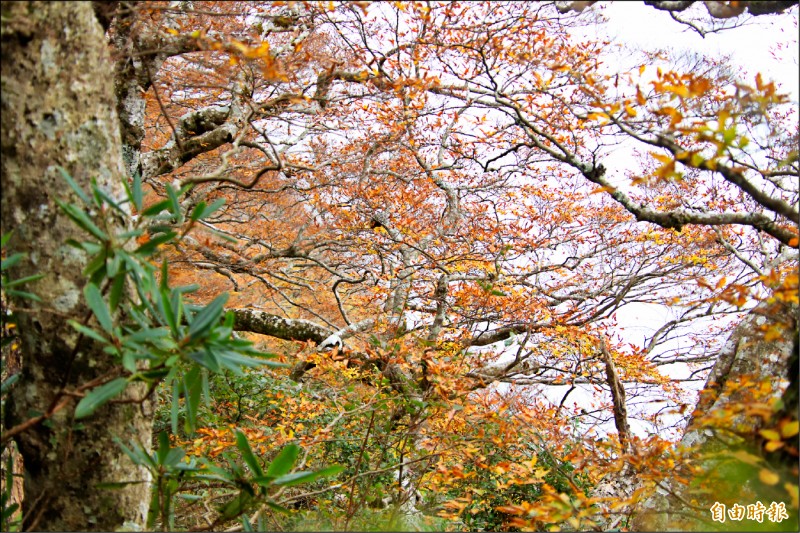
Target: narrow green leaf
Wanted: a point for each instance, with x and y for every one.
(116, 292)
(236, 506)
(147, 249)
(82, 220)
(4, 239)
(136, 189)
(284, 461)
(247, 453)
(174, 457)
(11, 509)
(20, 281)
(99, 396)
(298, 478)
(10, 261)
(169, 314)
(163, 447)
(156, 208)
(108, 200)
(87, 331)
(208, 316)
(193, 386)
(202, 210)
(129, 361)
(176, 303)
(207, 358)
(174, 204)
(197, 212)
(97, 264)
(6, 386)
(23, 294)
(74, 186)
(173, 411)
(133, 234)
(98, 306)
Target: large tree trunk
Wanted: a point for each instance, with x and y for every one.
(58, 108)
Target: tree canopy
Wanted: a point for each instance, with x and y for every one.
(360, 263)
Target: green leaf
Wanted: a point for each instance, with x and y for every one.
(115, 295)
(82, 220)
(147, 249)
(10, 261)
(208, 316)
(98, 306)
(149, 334)
(87, 331)
(97, 264)
(163, 447)
(156, 208)
(298, 478)
(173, 411)
(202, 210)
(137, 191)
(206, 358)
(74, 186)
(193, 385)
(197, 212)
(236, 506)
(4, 239)
(23, 294)
(284, 461)
(99, 396)
(100, 193)
(165, 305)
(6, 386)
(174, 204)
(247, 453)
(20, 281)
(234, 361)
(11, 509)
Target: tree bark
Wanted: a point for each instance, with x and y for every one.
(58, 109)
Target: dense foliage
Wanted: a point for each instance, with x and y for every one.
(372, 265)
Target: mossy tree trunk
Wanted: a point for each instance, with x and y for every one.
(58, 109)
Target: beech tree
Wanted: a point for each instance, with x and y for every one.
(413, 206)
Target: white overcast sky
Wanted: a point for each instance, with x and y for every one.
(750, 50)
(749, 46)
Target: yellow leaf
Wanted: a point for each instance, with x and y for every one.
(770, 434)
(746, 457)
(630, 111)
(661, 157)
(641, 69)
(596, 116)
(640, 99)
(790, 430)
(773, 445)
(606, 188)
(791, 488)
(768, 477)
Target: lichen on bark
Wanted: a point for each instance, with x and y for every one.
(58, 109)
